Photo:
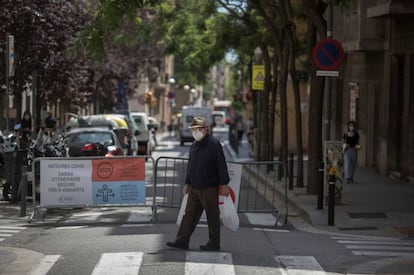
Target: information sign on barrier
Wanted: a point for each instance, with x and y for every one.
(92, 182)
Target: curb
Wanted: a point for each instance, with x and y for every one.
(21, 260)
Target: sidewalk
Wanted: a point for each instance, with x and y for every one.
(373, 205)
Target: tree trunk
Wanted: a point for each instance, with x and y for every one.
(316, 25)
(286, 14)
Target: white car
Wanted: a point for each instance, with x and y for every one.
(220, 119)
(142, 122)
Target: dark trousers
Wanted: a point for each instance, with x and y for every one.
(199, 200)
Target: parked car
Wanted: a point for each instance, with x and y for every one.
(122, 125)
(92, 141)
(142, 122)
(129, 132)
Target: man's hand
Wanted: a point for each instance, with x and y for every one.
(225, 190)
(186, 188)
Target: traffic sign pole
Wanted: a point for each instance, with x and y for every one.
(328, 80)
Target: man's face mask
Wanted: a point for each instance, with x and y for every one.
(197, 134)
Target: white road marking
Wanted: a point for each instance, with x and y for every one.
(2, 239)
(45, 265)
(139, 216)
(381, 247)
(12, 227)
(271, 230)
(5, 235)
(119, 263)
(218, 263)
(382, 253)
(261, 218)
(300, 265)
(9, 231)
(71, 227)
(375, 242)
(84, 217)
(366, 238)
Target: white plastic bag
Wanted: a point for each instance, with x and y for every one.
(228, 213)
(182, 208)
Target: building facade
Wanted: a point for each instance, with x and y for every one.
(376, 86)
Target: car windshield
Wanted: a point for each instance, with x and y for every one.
(93, 137)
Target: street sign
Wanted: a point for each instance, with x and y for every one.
(10, 55)
(328, 54)
(258, 77)
(327, 73)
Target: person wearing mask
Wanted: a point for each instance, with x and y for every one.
(351, 144)
(206, 171)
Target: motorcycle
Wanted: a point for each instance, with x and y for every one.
(7, 144)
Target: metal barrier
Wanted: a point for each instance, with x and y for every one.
(92, 182)
(169, 178)
(259, 188)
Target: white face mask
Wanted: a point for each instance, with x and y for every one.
(197, 134)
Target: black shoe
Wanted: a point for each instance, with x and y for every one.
(177, 245)
(210, 247)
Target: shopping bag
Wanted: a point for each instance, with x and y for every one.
(182, 208)
(228, 213)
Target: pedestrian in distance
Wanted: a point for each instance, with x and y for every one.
(350, 146)
(206, 171)
(50, 123)
(25, 129)
(240, 130)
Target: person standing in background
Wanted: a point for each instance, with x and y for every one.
(25, 129)
(350, 145)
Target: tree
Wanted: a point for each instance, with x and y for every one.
(314, 10)
(40, 45)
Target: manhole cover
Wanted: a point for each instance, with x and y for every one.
(367, 215)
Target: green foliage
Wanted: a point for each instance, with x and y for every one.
(343, 4)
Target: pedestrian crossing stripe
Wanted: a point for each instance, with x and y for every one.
(9, 231)
(384, 247)
(119, 263)
(202, 262)
(219, 263)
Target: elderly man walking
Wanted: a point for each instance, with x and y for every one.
(206, 171)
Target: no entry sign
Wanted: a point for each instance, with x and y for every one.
(328, 54)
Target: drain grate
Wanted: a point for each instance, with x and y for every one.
(367, 215)
(358, 228)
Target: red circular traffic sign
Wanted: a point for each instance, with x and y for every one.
(328, 54)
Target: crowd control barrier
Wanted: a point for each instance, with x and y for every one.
(254, 186)
(92, 182)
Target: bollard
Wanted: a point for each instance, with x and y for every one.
(331, 205)
(291, 172)
(320, 191)
(23, 192)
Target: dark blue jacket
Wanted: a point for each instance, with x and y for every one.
(207, 165)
